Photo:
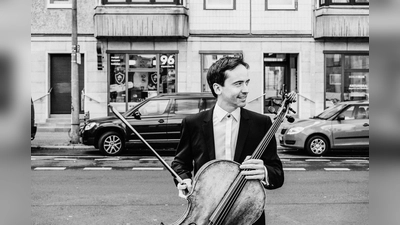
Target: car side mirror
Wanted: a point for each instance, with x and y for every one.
(341, 117)
(136, 115)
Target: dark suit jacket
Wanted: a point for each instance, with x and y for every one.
(196, 146)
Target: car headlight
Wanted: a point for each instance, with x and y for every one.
(90, 126)
(295, 130)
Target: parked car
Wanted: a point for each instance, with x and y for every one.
(342, 126)
(33, 124)
(157, 119)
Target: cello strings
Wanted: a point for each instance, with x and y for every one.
(235, 192)
(231, 199)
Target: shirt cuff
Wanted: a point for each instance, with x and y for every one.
(265, 182)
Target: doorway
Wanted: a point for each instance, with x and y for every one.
(280, 75)
(60, 82)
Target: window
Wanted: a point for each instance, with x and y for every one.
(347, 77)
(59, 4)
(362, 112)
(220, 4)
(343, 2)
(156, 2)
(134, 77)
(154, 107)
(348, 113)
(207, 59)
(187, 106)
(281, 5)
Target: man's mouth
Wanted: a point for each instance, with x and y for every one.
(243, 98)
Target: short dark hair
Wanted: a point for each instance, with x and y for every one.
(216, 72)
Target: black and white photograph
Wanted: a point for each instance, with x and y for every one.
(207, 112)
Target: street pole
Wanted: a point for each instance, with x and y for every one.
(74, 78)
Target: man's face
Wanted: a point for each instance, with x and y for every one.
(234, 92)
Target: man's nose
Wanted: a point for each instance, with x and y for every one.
(245, 88)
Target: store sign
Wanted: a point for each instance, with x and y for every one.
(115, 60)
(167, 61)
(119, 77)
(154, 78)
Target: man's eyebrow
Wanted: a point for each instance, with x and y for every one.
(241, 81)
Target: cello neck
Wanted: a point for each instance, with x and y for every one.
(271, 132)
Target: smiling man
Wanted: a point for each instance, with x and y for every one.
(228, 131)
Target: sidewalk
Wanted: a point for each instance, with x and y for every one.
(55, 140)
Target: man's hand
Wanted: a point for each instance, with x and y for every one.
(253, 169)
(184, 188)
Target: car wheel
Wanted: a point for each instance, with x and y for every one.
(317, 146)
(111, 143)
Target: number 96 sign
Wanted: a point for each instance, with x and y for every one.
(167, 61)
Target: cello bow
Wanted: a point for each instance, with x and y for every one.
(165, 164)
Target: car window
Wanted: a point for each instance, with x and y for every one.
(331, 111)
(186, 106)
(154, 107)
(363, 112)
(349, 113)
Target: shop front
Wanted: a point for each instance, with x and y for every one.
(346, 77)
(134, 76)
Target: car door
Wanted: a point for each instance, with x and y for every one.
(353, 131)
(150, 120)
(180, 108)
(183, 107)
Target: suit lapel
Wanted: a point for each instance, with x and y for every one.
(243, 132)
(208, 133)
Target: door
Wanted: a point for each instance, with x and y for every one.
(151, 122)
(182, 108)
(60, 81)
(354, 129)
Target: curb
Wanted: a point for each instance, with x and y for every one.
(85, 147)
(61, 147)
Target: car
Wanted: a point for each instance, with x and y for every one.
(342, 126)
(33, 124)
(158, 120)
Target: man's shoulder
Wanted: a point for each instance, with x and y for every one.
(255, 115)
(198, 116)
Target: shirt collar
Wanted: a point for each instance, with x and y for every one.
(220, 113)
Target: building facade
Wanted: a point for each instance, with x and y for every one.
(134, 49)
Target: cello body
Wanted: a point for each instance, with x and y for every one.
(211, 184)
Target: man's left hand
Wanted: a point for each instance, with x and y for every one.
(253, 169)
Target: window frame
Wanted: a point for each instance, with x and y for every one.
(351, 2)
(293, 7)
(59, 6)
(203, 53)
(149, 2)
(232, 7)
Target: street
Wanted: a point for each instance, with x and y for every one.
(137, 190)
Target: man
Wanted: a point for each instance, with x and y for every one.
(228, 131)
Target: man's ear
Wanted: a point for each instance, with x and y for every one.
(217, 88)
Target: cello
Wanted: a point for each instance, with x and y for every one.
(234, 200)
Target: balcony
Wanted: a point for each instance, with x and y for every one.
(141, 20)
(342, 22)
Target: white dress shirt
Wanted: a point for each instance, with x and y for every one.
(226, 129)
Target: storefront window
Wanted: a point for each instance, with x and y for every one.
(135, 77)
(347, 77)
(117, 78)
(343, 2)
(167, 73)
